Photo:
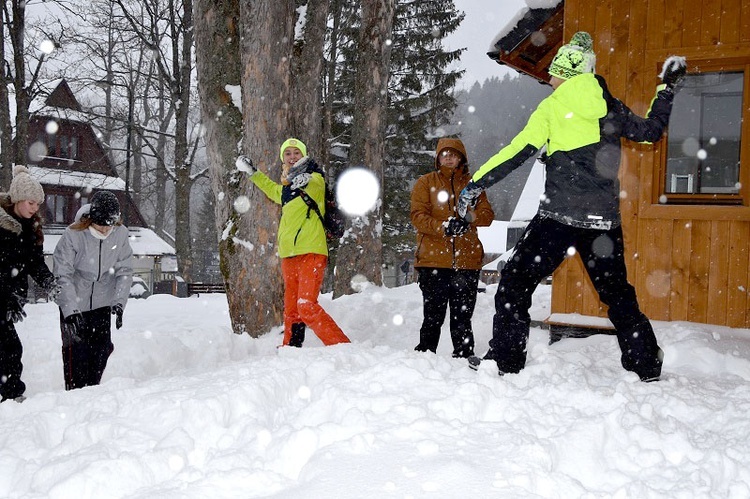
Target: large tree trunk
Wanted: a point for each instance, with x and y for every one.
(307, 112)
(17, 34)
(361, 251)
(218, 59)
(6, 129)
(257, 55)
(182, 67)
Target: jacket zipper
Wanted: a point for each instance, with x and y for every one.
(453, 209)
(98, 276)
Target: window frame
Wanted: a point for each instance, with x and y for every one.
(662, 196)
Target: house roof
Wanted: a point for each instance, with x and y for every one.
(144, 241)
(78, 179)
(529, 44)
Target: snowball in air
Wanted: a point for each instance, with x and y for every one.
(242, 204)
(357, 191)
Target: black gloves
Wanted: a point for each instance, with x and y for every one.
(673, 71)
(75, 321)
(117, 310)
(456, 227)
(52, 289)
(245, 164)
(14, 311)
(72, 327)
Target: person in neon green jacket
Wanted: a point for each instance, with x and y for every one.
(301, 239)
(580, 124)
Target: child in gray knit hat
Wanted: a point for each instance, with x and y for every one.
(21, 256)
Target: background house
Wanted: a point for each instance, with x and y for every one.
(499, 238)
(686, 199)
(66, 157)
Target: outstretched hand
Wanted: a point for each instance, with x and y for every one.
(245, 164)
(468, 198)
(673, 71)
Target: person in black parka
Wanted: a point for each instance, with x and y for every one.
(21, 256)
(581, 125)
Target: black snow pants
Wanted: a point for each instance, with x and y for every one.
(11, 367)
(440, 288)
(85, 352)
(540, 251)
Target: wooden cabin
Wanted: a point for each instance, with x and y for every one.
(67, 158)
(686, 199)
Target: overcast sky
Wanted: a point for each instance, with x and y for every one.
(484, 19)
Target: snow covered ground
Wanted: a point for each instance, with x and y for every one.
(187, 409)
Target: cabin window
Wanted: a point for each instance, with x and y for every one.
(703, 164)
(57, 207)
(63, 146)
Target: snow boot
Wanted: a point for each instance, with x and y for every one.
(298, 334)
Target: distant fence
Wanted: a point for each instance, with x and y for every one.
(196, 288)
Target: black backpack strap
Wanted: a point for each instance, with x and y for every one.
(310, 202)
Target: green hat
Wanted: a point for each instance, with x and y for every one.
(575, 58)
(291, 142)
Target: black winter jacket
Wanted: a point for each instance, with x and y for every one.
(581, 125)
(21, 253)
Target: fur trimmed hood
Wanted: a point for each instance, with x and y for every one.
(8, 221)
(11, 224)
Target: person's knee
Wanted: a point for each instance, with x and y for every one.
(307, 309)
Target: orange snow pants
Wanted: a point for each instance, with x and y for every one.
(303, 276)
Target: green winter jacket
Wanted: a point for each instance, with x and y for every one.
(581, 125)
(300, 229)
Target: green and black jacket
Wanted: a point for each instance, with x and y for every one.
(581, 124)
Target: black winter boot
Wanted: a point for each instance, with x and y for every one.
(298, 334)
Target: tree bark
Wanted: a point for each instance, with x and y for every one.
(257, 56)
(182, 64)
(306, 111)
(361, 251)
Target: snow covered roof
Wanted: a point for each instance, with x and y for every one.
(528, 203)
(494, 237)
(521, 19)
(144, 241)
(52, 176)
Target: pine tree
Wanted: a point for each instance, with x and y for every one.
(420, 101)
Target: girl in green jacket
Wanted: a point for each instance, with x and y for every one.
(302, 243)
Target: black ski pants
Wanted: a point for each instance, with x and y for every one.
(542, 248)
(85, 352)
(11, 367)
(441, 288)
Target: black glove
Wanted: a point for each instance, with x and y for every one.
(71, 328)
(245, 164)
(468, 198)
(456, 227)
(75, 321)
(673, 71)
(117, 310)
(15, 312)
(53, 290)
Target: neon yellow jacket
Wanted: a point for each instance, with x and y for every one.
(300, 229)
(581, 124)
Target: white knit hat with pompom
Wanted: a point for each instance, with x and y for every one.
(25, 187)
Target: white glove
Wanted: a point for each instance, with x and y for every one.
(245, 164)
